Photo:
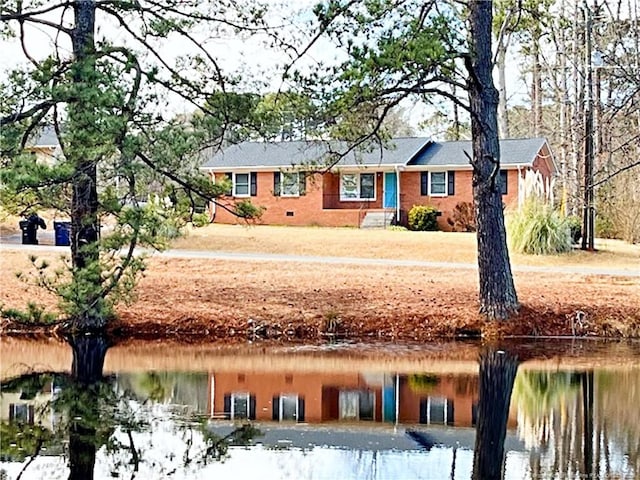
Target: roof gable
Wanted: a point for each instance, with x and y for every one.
(522, 151)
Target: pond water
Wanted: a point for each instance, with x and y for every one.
(155, 411)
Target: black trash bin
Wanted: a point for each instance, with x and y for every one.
(29, 230)
(62, 233)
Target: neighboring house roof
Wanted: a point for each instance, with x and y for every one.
(406, 151)
(522, 151)
(44, 137)
(277, 155)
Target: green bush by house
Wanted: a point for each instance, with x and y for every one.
(423, 218)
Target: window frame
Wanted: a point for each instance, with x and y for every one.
(281, 399)
(358, 184)
(236, 183)
(296, 184)
(445, 184)
(247, 397)
(448, 410)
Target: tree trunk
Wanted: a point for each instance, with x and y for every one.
(83, 134)
(498, 370)
(536, 86)
(88, 357)
(498, 299)
(503, 114)
(86, 371)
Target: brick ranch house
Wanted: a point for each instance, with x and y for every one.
(376, 187)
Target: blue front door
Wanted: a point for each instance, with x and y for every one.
(390, 190)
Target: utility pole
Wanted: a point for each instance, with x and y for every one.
(588, 212)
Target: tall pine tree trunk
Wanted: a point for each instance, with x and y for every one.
(503, 114)
(498, 370)
(498, 299)
(86, 372)
(83, 144)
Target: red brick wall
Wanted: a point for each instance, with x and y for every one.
(265, 386)
(306, 209)
(322, 206)
(410, 193)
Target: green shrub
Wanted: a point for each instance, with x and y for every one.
(247, 210)
(575, 227)
(537, 228)
(423, 218)
(200, 219)
(35, 314)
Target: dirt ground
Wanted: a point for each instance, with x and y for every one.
(195, 300)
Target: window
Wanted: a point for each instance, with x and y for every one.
(21, 413)
(436, 410)
(437, 183)
(503, 182)
(240, 405)
(357, 186)
(289, 184)
(241, 184)
(356, 405)
(288, 406)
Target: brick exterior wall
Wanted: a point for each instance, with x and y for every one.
(321, 205)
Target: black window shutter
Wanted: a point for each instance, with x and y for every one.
(254, 184)
(229, 177)
(504, 182)
(227, 406)
(302, 183)
(450, 412)
(423, 411)
(252, 407)
(275, 408)
(451, 182)
(424, 183)
(276, 184)
(300, 409)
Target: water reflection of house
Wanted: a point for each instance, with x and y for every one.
(345, 397)
(28, 406)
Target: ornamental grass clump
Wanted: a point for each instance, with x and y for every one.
(538, 229)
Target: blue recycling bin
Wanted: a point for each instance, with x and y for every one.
(62, 233)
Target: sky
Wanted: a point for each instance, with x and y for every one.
(252, 58)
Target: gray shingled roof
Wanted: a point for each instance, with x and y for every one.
(410, 151)
(44, 137)
(287, 154)
(512, 152)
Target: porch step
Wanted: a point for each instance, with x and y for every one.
(377, 219)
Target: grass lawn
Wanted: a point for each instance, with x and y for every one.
(405, 245)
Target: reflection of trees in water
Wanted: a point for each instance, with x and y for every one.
(94, 415)
(617, 399)
(541, 398)
(580, 424)
(182, 388)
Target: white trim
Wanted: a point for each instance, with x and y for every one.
(290, 195)
(241, 195)
(446, 184)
